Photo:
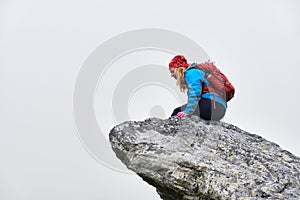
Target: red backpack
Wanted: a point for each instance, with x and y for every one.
(218, 81)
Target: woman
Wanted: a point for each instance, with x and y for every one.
(209, 105)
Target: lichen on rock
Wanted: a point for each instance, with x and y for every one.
(191, 159)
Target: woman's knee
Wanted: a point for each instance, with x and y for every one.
(175, 111)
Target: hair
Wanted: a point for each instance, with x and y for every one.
(181, 82)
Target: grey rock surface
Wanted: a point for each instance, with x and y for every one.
(192, 159)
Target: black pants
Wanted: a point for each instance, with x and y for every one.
(207, 109)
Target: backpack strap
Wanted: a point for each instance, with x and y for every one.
(191, 66)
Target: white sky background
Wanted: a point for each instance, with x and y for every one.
(44, 44)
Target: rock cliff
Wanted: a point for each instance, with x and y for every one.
(192, 159)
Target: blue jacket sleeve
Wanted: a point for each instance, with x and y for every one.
(194, 78)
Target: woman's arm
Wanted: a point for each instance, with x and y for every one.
(194, 78)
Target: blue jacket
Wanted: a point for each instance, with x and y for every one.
(195, 78)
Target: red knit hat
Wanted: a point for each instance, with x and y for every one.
(178, 61)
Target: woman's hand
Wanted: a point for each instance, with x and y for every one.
(181, 114)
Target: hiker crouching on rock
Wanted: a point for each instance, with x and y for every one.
(202, 99)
